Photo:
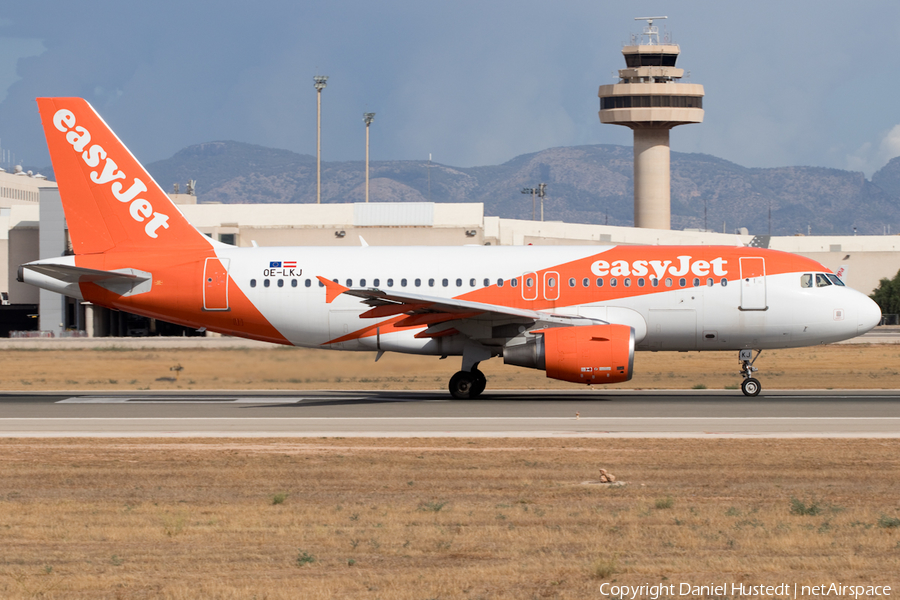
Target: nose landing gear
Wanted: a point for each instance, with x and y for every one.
(750, 386)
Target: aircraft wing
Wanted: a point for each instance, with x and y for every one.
(437, 313)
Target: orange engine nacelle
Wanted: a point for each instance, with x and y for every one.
(584, 354)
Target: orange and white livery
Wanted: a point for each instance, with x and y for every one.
(578, 313)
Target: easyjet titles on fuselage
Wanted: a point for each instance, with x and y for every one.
(140, 209)
(640, 268)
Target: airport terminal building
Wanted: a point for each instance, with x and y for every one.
(32, 226)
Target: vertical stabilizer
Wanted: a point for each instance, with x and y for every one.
(110, 201)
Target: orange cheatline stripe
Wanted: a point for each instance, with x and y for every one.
(391, 310)
(332, 289)
(433, 318)
(437, 334)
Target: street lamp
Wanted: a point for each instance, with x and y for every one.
(320, 85)
(368, 118)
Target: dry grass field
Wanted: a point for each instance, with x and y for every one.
(835, 367)
(440, 518)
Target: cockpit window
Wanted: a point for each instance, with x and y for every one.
(806, 280)
(822, 280)
(835, 279)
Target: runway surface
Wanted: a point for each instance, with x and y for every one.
(581, 413)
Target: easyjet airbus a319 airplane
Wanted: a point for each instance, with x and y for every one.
(577, 313)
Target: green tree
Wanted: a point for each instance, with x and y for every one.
(887, 295)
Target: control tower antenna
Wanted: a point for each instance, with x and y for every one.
(649, 100)
(651, 32)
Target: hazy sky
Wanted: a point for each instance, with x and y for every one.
(471, 82)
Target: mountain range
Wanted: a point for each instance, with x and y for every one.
(585, 184)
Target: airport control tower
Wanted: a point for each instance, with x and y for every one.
(649, 101)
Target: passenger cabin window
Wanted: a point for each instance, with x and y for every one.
(307, 283)
(403, 282)
(822, 280)
(266, 283)
(445, 282)
(499, 283)
(252, 283)
(806, 280)
(390, 282)
(514, 282)
(585, 282)
(377, 282)
(487, 282)
(293, 283)
(281, 283)
(418, 282)
(599, 282)
(431, 283)
(459, 283)
(362, 283)
(551, 282)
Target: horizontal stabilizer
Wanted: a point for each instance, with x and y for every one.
(124, 282)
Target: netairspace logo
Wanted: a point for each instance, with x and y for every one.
(737, 590)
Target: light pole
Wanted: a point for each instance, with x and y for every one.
(320, 85)
(540, 193)
(368, 118)
(531, 191)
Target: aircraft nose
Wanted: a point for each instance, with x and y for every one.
(869, 315)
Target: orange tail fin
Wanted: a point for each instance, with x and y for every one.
(110, 201)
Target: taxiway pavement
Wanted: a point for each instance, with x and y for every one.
(590, 413)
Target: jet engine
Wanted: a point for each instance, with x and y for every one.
(582, 354)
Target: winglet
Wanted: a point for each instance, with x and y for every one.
(332, 289)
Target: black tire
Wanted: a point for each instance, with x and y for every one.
(462, 385)
(751, 387)
(479, 384)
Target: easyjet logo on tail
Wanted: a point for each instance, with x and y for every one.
(639, 268)
(140, 209)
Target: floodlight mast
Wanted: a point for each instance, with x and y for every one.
(320, 85)
(367, 118)
(531, 191)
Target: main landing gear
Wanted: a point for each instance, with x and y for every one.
(467, 384)
(750, 385)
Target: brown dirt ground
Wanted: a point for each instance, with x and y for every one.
(440, 518)
(857, 366)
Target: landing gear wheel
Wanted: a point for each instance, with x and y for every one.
(467, 384)
(462, 385)
(751, 387)
(479, 384)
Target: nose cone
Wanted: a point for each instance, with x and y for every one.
(869, 315)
